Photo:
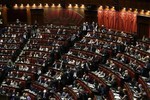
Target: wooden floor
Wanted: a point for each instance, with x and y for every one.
(69, 16)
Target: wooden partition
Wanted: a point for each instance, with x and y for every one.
(13, 14)
(143, 26)
(37, 15)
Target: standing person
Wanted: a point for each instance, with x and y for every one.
(17, 22)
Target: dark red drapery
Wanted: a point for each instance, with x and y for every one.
(124, 21)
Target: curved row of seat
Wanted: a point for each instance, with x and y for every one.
(72, 65)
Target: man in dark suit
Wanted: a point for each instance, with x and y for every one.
(71, 78)
(110, 31)
(44, 95)
(64, 78)
(105, 55)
